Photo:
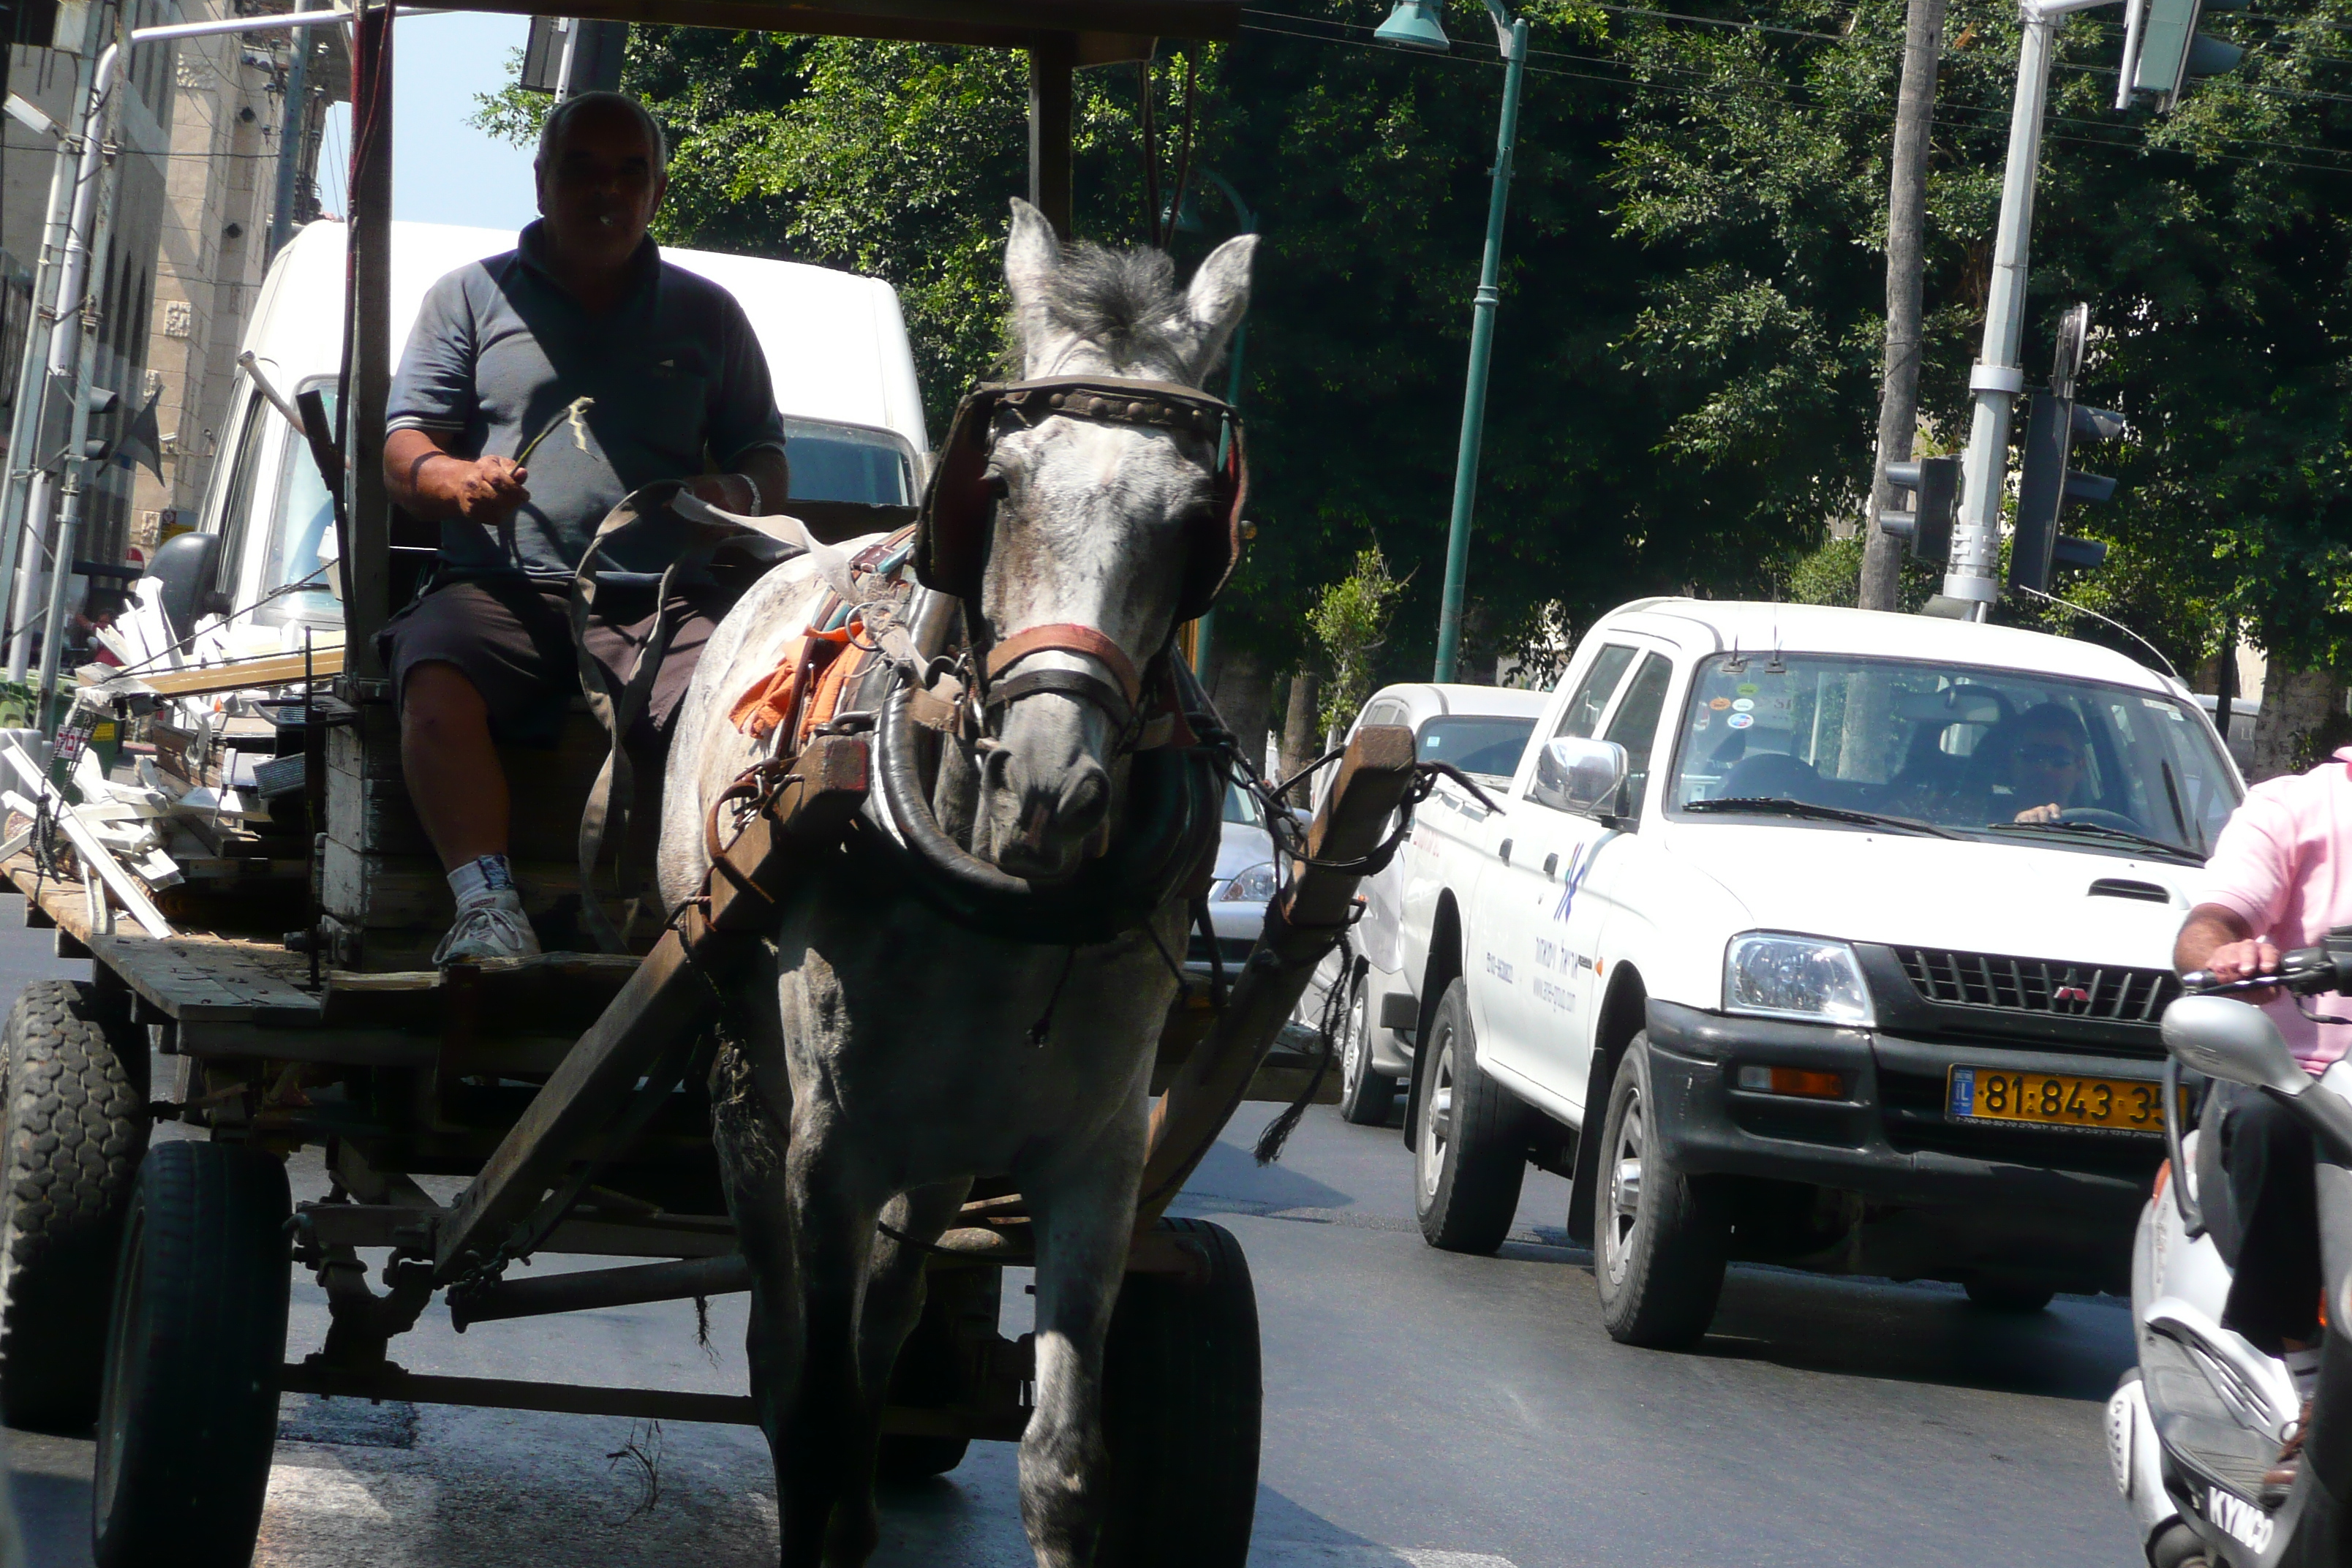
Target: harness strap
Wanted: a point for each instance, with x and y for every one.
(619, 702)
(1068, 636)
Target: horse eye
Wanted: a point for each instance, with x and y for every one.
(994, 482)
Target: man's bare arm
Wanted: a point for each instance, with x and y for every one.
(430, 482)
(2215, 939)
(764, 467)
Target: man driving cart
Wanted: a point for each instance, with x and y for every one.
(538, 389)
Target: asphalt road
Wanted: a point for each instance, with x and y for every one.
(1422, 1408)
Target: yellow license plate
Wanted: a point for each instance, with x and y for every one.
(2055, 1100)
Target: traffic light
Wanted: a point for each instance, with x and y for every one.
(1935, 487)
(2162, 48)
(2044, 483)
(101, 433)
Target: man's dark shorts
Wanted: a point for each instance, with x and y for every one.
(511, 637)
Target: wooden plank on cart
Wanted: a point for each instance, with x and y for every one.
(197, 982)
(661, 1003)
(1298, 930)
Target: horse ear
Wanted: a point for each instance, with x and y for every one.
(1218, 299)
(1031, 257)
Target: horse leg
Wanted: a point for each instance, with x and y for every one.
(894, 1302)
(1084, 1209)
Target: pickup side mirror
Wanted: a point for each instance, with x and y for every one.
(1578, 775)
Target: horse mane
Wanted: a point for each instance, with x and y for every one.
(1123, 302)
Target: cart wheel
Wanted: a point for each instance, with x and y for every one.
(76, 1121)
(959, 1310)
(198, 1333)
(1182, 1399)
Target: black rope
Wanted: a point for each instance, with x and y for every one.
(1278, 1131)
(1044, 1024)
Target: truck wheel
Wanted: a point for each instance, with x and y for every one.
(1181, 1402)
(1658, 1245)
(189, 1413)
(2009, 1295)
(1468, 1155)
(76, 1123)
(1366, 1098)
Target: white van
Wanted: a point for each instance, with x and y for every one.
(836, 349)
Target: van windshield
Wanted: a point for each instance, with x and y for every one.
(302, 536)
(848, 462)
(2005, 754)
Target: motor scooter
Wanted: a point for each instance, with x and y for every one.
(2194, 1427)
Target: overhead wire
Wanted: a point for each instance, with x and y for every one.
(1482, 56)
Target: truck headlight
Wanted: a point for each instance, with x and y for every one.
(1795, 977)
(1251, 885)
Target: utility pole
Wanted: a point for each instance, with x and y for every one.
(1972, 585)
(1906, 224)
(293, 132)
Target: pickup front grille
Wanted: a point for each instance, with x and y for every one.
(2038, 987)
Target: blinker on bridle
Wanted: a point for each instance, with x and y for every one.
(952, 537)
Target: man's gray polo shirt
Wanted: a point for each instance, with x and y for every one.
(501, 350)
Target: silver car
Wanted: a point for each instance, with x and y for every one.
(1482, 729)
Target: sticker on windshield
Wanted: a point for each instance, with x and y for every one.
(1704, 719)
(1748, 689)
(1740, 720)
(1745, 705)
(2167, 708)
(1721, 703)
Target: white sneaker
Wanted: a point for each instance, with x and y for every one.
(495, 929)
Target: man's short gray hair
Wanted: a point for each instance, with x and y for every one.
(550, 131)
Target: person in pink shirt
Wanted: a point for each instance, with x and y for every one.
(2280, 877)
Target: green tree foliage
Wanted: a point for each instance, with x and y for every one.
(1684, 385)
(1351, 619)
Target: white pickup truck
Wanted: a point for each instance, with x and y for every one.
(1824, 936)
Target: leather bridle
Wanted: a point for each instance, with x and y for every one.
(951, 539)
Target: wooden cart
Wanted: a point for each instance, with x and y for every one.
(144, 1283)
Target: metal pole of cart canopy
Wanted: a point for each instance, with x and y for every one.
(365, 383)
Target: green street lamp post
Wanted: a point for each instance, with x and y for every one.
(1413, 24)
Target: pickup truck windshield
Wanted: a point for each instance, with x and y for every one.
(2007, 754)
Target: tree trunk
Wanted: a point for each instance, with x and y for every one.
(1243, 693)
(1299, 730)
(2301, 708)
(1906, 222)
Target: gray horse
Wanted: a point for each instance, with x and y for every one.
(881, 1058)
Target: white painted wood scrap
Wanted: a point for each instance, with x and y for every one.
(95, 855)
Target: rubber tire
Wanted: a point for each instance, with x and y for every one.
(75, 1110)
(1182, 1401)
(1466, 1190)
(189, 1415)
(959, 1306)
(1660, 1276)
(1366, 1098)
(2008, 1296)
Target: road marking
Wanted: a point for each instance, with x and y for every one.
(1364, 1554)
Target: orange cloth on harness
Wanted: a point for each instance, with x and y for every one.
(771, 698)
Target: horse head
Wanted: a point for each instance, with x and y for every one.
(1091, 527)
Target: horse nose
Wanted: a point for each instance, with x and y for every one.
(1085, 795)
(1071, 811)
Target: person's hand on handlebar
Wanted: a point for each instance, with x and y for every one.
(2217, 942)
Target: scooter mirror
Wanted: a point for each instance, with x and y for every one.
(2230, 1039)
